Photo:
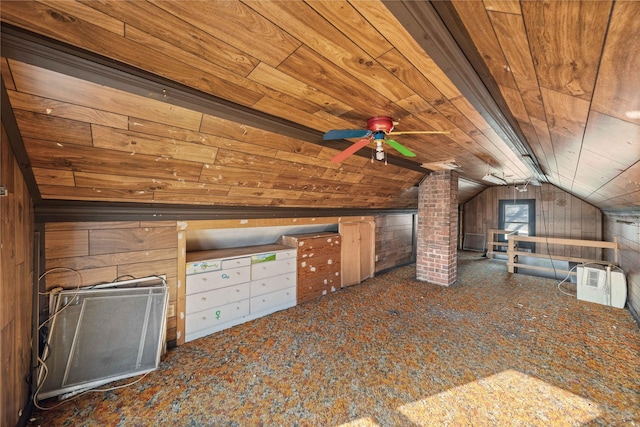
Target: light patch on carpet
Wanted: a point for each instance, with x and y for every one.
(508, 398)
(361, 422)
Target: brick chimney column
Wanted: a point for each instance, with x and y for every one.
(437, 249)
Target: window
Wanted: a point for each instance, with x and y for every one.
(520, 216)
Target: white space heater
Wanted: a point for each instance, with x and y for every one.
(602, 285)
(102, 334)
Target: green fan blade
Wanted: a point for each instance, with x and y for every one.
(400, 148)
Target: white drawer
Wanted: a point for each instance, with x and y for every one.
(196, 267)
(272, 268)
(216, 316)
(286, 254)
(236, 262)
(272, 284)
(279, 299)
(217, 279)
(204, 300)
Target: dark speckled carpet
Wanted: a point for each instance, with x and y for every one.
(492, 349)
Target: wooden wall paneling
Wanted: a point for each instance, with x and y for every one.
(70, 243)
(125, 240)
(558, 214)
(393, 241)
(575, 226)
(17, 279)
(114, 250)
(627, 229)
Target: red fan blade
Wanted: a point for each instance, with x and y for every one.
(349, 151)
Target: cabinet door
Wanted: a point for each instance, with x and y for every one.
(358, 251)
(350, 264)
(367, 231)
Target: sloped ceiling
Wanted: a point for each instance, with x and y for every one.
(224, 103)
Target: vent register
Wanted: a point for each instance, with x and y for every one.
(102, 334)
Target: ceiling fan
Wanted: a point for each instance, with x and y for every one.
(377, 129)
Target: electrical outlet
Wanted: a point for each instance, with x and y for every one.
(171, 310)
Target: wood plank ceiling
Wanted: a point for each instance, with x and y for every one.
(239, 93)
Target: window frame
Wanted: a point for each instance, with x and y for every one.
(531, 207)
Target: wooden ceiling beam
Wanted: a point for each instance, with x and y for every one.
(85, 211)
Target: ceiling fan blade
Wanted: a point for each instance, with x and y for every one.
(400, 148)
(349, 151)
(419, 132)
(346, 134)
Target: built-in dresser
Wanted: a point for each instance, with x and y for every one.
(226, 287)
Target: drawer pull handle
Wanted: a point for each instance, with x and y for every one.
(203, 299)
(225, 276)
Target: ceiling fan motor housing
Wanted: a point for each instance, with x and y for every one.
(380, 123)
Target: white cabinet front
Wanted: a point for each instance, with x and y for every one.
(272, 284)
(204, 300)
(242, 288)
(217, 279)
(216, 316)
(272, 268)
(278, 299)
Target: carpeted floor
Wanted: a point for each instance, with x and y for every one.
(493, 349)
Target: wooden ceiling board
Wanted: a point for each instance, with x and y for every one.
(235, 24)
(56, 86)
(379, 16)
(346, 18)
(240, 93)
(88, 14)
(176, 32)
(512, 36)
(476, 20)
(60, 26)
(37, 104)
(133, 143)
(566, 40)
(618, 88)
(611, 138)
(332, 45)
(548, 153)
(507, 6)
(54, 177)
(56, 129)
(49, 154)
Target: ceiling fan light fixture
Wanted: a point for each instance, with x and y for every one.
(379, 150)
(494, 179)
